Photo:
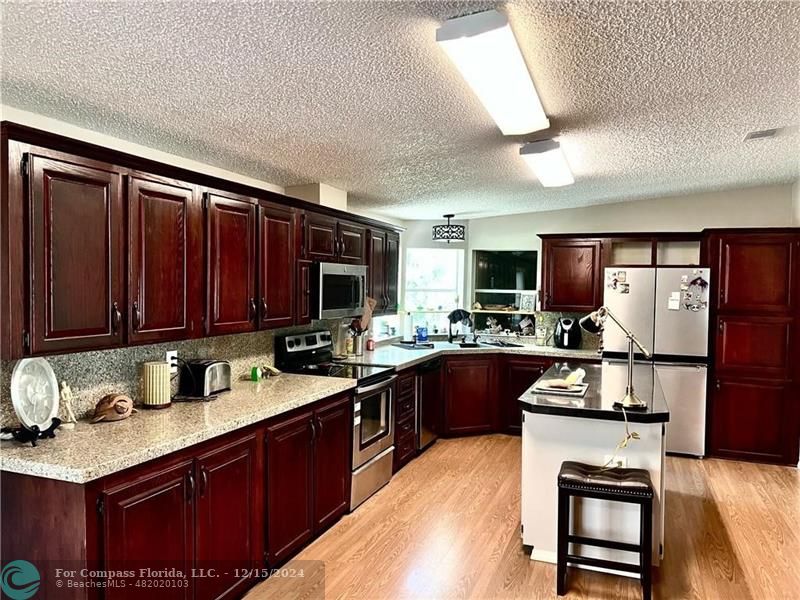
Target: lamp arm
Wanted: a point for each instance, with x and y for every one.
(626, 331)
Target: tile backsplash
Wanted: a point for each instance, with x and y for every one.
(92, 375)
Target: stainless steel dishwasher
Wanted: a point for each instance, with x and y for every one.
(429, 402)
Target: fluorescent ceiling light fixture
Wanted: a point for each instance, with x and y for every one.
(548, 163)
(484, 49)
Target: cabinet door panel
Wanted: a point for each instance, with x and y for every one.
(226, 532)
(150, 523)
(470, 401)
(572, 278)
(165, 228)
(377, 270)
(759, 346)
(392, 273)
(277, 270)
(352, 243)
(232, 257)
(520, 374)
(332, 461)
(754, 420)
(76, 291)
(756, 273)
(321, 238)
(290, 463)
(303, 292)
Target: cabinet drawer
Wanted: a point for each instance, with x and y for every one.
(404, 450)
(404, 427)
(405, 385)
(405, 407)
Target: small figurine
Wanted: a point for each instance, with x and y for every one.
(113, 407)
(69, 420)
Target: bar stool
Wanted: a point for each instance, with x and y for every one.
(618, 485)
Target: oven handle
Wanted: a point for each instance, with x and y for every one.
(371, 388)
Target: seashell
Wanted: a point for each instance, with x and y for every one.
(113, 407)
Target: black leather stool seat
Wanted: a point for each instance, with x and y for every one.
(588, 478)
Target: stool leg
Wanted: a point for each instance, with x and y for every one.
(563, 532)
(646, 540)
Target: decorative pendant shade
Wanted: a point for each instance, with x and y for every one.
(449, 233)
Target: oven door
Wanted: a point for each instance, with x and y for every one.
(341, 290)
(373, 420)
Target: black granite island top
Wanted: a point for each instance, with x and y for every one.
(606, 385)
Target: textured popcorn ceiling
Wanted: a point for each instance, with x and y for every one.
(651, 98)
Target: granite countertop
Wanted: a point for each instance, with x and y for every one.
(607, 384)
(89, 451)
(402, 358)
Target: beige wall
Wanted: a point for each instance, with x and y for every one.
(796, 203)
(9, 113)
(766, 206)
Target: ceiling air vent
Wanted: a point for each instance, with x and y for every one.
(762, 134)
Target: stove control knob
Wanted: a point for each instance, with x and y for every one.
(290, 343)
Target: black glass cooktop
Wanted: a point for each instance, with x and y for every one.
(361, 373)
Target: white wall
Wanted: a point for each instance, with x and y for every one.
(21, 117)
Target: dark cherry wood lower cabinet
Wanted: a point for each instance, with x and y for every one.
(755, 420)
(332, 462)
(470, 395)
(290, 472)
(149, 522)
(519, 373)
(405, 417)
(227, 509)
(308, 475)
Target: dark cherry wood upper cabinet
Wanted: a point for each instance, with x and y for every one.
(470, 396)
(352, 243)
(332, 461)
(571, 274)
(321, 237)
(227, 535)
(756, 271)
(392, 273)
(520, 374)
(754, 420)
(276, 266)
(149, 522)
(756, 346)
(290, 483)
(76, 254)
(232, 258)
(165, 285)
(377, 269)
(303, 298)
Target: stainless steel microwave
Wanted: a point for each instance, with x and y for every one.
(340, 290)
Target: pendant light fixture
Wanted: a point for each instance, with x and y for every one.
(449, 233)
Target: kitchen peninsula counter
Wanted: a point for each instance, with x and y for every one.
(558, 428)
(401, 358)
(91, 451)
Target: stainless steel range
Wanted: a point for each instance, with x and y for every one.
(373, 421)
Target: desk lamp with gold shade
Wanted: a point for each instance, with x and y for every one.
(594, 323)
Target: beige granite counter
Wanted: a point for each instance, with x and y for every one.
(89, 451)
(402, 358)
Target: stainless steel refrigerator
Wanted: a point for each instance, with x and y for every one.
(667, 309)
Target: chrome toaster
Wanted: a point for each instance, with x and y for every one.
(204, 378)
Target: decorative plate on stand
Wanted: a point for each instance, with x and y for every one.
(34, 393)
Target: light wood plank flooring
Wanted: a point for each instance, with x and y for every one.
(447, 527)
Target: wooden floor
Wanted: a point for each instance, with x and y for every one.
(447, 526)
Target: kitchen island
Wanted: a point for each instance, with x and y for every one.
(587, 429)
